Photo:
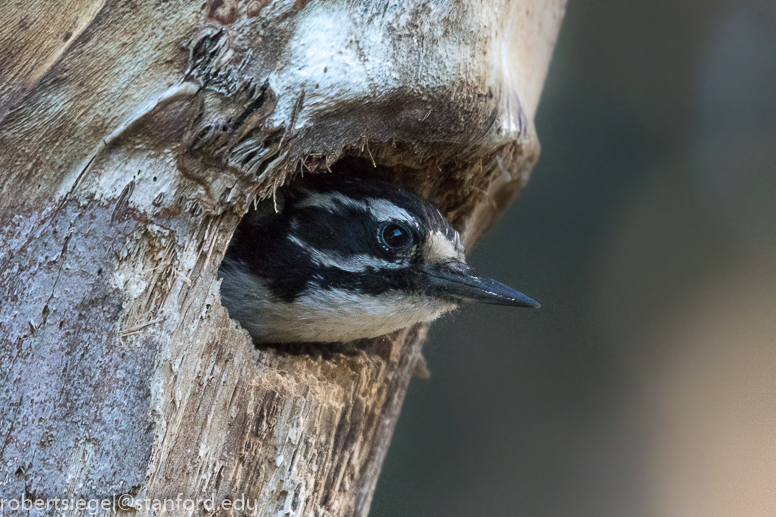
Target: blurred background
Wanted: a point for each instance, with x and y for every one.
(646, 383)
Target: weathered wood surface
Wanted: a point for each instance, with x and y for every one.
(133, 135)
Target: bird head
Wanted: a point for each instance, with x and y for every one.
(342, 258)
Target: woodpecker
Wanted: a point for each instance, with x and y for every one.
(337, 258)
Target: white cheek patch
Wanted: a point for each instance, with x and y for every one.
(352, 263)
(325, 315)
(441, 249)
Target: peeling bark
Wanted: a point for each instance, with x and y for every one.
(133, 136)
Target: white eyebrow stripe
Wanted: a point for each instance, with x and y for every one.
(330, 201)
(354, 264)
(384, 210)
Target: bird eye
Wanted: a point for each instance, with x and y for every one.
(396, 236)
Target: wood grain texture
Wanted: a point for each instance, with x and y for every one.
(128, 154)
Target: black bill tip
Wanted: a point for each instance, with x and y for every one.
(458, 282)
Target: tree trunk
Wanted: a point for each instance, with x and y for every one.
(133, 136)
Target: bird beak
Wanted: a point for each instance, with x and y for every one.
(456, 281)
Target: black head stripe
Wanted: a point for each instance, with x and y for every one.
(346, 231)
(286, 248)
(363, 189)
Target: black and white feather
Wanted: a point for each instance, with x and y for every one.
(346, 258)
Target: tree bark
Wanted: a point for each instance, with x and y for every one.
(133, 136)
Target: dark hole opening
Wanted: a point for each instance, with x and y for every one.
(352, 165)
